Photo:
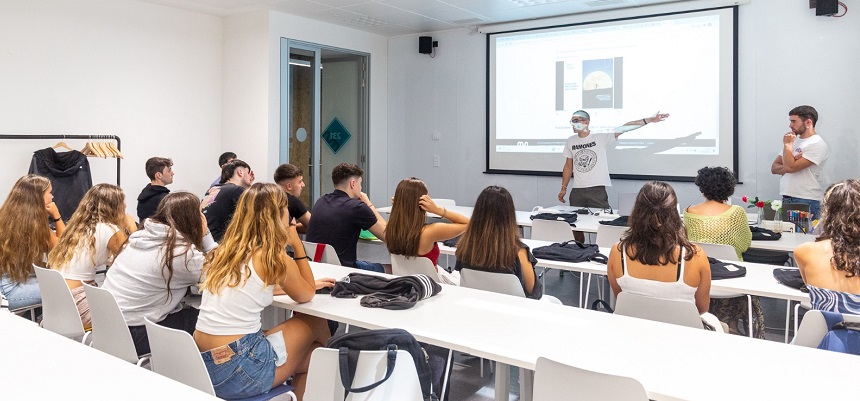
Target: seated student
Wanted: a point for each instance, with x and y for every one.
(492, 241)
(152, 274)
(714, 221)
(830, 266)
(654, 257)
(338, 218)
(26, 238)
(290, 178)
(220, 201)
(241, 276)
(406, 232)
(160, 173)
(225, 158)
(96, 232)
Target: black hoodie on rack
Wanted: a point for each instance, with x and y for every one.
(69, 173)
(148, 200)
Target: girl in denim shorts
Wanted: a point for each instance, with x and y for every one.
(241, 275)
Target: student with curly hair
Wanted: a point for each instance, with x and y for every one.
(241, 276)
(830, 266)
(407, 234)
(152, 274)
(96, 232)
(26, 238)
(654, 257)
(714, 221)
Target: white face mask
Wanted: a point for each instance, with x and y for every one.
(579, 126)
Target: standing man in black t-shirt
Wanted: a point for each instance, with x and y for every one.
(291, 179)
(220, 201)
(339, 217)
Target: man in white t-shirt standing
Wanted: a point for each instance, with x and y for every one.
(586, 152)
(801, 162)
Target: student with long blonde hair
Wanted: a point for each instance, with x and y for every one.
(26, 238)
(406, 232)
(95, 233)
(241, 277)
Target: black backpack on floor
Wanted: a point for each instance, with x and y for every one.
(350, 344)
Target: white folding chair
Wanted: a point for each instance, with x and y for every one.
(551, 230)
(557, 381)
(814, 327)
(494, 282)
(323, 253)
(406, 265)
(501, 283)
(59, 312)
(681, 313)
(324, 382)
(110, 332)
(727, 253)
(554, 231)
(608, 235)
(175, 356)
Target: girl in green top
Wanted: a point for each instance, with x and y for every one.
(716, 222)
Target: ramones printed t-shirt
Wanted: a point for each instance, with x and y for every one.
(590, 167)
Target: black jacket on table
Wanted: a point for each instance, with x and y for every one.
(69, 173)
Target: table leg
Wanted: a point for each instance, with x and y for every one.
(787, 317)
(503, 381)
(527, 378)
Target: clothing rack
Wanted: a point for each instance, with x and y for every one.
(109, 137)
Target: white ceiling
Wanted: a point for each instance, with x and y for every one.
(401, 17)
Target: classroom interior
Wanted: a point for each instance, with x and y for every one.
(190, 85)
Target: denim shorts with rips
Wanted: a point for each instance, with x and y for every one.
(243, 368)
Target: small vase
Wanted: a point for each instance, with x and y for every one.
(777, 220)
(760, 216)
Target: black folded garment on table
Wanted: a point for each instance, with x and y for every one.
(721, 270)
(570, 218)
(570, 251)
(763, 234)
(790, 278)
(452, 242)
(621, 221)
(389, 293)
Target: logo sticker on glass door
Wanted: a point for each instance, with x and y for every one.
(335, 135)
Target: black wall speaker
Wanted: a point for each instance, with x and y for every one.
(826, 7)
(425, 44)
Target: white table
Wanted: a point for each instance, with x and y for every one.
(523, 217)
(672, 362)
(786, 243)
(39, 364)
(758, 281)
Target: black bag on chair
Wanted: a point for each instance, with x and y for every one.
(350, 344)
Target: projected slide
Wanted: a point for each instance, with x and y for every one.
(621, 71)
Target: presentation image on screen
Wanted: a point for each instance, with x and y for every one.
(620, 71)
(597, 83)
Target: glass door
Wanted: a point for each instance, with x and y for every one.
(300, 114)
(324, 113)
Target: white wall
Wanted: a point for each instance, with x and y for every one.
(246, 91)
(289, 26)
(787, 55)
(150, 74)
